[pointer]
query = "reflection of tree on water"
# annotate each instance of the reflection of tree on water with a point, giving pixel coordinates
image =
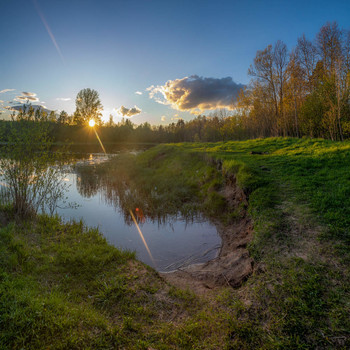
(118, 190)
(87, 182)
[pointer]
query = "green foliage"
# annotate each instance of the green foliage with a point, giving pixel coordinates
(30, 170)
(88, 106)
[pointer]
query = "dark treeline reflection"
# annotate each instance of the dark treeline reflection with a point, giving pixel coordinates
(111, 180)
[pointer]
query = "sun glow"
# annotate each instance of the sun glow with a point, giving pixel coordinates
(91, 123)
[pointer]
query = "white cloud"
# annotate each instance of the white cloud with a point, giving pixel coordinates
(6, 90)
(129, 112)
(138, 93)
(196, 94)
(63, 98)
(30, 94)
(163, 118)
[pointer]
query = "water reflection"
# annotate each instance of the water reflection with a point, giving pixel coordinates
(116, 189)
(132, 218)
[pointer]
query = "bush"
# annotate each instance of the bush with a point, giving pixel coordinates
(31, 171)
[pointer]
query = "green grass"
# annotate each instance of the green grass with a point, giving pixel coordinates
(299, 199)
(298, 190)
(63, 286)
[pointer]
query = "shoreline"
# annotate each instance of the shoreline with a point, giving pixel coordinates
(233, 264)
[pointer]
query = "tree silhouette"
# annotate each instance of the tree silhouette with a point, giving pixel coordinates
(88, 106)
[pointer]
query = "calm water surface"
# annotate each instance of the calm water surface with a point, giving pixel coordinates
(172, 244)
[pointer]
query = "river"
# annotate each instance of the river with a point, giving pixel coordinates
(165, 244)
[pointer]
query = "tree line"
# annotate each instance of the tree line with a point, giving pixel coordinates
(300, 92)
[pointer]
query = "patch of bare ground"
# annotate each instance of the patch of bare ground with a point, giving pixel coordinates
(304, 237)
(233, 265)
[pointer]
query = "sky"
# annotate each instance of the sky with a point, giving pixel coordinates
(150, 61)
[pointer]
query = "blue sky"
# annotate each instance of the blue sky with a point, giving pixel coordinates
(122, 47)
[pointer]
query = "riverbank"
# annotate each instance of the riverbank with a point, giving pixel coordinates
(63, 286)
(297, 295)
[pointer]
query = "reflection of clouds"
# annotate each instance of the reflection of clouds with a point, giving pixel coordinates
(129, 112)
(196, 93)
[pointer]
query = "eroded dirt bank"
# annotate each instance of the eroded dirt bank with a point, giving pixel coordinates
(233, 264)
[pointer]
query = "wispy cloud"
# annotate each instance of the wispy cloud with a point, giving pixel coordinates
(129, 112)
(24, 99)
(41, 15)
(196, 94)
(10, 108)
(63, 98)
(26, 96)
(138, 93)
(6, 90)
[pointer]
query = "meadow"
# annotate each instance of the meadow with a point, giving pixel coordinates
(63, 287)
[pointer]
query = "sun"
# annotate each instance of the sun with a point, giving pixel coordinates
(92, 123)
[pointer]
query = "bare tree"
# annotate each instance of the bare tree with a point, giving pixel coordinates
(281, 62)
(329, 45)
(306, 56)
(263, 69)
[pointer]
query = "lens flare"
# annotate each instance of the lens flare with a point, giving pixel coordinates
(142, 237)
(99, 140)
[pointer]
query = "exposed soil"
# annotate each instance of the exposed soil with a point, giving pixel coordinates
(233, 264)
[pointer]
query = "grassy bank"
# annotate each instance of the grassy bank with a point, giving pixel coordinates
(63, 286)
(299, 200)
